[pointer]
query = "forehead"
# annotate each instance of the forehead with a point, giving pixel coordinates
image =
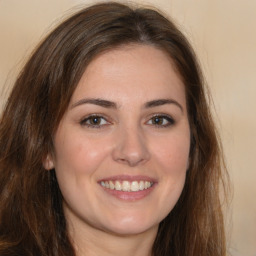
(131, 71)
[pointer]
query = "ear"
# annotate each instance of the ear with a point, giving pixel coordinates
(48, 162)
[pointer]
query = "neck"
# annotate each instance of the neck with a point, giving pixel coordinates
(89, 241)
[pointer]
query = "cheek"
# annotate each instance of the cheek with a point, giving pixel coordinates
(79, 154)
(173, 155)
(77, 162)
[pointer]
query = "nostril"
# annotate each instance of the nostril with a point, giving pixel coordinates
(131, 160)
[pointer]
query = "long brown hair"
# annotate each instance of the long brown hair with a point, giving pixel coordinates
(31, 218)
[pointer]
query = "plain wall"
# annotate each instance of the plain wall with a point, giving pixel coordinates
(224, 36)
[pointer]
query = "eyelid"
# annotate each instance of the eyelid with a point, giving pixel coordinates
(171, 121)
(90, 116)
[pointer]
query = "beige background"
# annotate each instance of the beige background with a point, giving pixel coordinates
(224, 35)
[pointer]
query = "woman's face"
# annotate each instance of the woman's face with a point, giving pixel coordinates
(122, 147)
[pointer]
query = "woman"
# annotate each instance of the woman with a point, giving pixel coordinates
(107, 145)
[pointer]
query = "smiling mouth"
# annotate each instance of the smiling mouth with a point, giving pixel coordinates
(127, 186)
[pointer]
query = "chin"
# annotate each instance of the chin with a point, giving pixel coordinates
(130, 225)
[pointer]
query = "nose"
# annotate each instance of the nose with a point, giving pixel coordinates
(131, 148)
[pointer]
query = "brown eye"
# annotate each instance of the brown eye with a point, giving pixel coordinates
(161, 121)
(158, 120)
(94, 121)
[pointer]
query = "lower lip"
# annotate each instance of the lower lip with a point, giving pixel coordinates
(130, 196)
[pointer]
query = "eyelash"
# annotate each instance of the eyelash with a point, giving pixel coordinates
(84, 121)
(162, 118)
(165, 118)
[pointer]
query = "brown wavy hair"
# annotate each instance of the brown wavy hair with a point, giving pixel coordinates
(31, 215)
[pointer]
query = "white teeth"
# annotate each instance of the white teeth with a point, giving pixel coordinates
(135, 186)
(118, 186)
(147, 184)
(126, 186)
(111, 185)
(141, 185)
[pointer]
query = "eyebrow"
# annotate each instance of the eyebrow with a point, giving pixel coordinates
(111, 104)
(98, 102)
(160, 102)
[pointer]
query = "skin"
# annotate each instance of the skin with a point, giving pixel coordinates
(127, 140)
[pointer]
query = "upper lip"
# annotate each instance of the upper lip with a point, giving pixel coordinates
(129, 178)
